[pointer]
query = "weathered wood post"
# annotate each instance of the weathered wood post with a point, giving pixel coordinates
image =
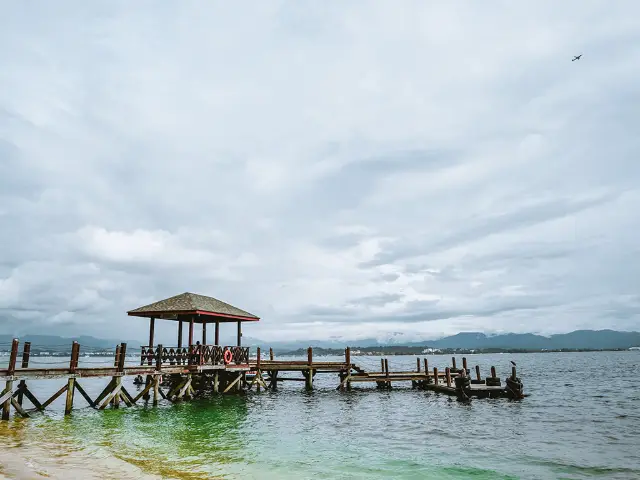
(271, 354)
(427, 380)
(493, 372)
(120, 372)
(157, 377)
(26, 352)
(435, 375)
(478, 378)
(382, 365)
(414, 383)
(71, 382)
(386, 372)
(204, 333)
(453, 364)
(447, 372)
(513, 373)
(179, 333)
(347, 359)
(8, 389)
(258, 372)
(308, 374)
(464, 365)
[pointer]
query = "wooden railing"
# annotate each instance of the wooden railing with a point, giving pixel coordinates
(194, 355)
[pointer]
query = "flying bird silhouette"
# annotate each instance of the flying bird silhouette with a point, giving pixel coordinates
(513, 363)
(577, 57)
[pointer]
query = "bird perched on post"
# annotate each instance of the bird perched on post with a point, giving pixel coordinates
(513, 363)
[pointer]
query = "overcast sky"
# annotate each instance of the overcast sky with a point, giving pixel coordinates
(337, 168)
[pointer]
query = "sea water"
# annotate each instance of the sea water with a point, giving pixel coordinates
(580, 420)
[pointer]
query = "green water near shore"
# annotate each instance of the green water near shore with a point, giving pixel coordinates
(569, 427)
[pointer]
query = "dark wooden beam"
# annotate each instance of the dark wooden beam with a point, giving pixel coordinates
(179, 333)
(152, 324)
(239, 334)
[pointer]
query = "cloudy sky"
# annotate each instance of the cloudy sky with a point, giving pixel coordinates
(338, 168)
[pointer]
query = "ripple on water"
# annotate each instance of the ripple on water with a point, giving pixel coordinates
(565, 429)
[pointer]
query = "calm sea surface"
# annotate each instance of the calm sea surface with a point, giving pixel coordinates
(581, 420)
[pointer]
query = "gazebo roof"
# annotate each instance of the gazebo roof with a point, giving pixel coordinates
(202, 309)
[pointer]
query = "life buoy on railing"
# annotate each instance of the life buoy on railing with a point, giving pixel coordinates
(228, 356)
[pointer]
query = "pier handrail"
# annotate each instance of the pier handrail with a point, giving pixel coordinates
(193, 355)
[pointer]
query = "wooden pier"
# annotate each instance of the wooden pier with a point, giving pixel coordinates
(177, 373)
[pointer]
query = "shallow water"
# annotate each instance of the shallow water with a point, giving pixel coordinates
(581, 420)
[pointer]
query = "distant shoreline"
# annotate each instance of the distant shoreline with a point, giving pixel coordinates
(379, 352)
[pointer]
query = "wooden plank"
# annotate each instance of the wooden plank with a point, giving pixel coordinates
(230, 386)
(84, 394)
(19, 408)
(54, 397)
(143, 392)
(6, 396)
(106, 401)
(105, 392)
(36, 403)
(127, 397)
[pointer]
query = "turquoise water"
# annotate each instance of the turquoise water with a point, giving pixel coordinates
(581, 420)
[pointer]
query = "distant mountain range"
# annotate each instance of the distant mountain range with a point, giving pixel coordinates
(579, 339)
(56, 343)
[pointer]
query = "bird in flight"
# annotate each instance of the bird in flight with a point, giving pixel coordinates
(577, 57)
(513, 363)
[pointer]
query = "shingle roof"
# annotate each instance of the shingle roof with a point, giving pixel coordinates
(191, 303)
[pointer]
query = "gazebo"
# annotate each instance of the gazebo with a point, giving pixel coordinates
(193, 308)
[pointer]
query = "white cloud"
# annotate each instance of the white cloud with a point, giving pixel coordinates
(333, 168)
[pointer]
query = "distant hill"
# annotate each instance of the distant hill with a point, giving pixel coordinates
(579, 339)
(56, 343)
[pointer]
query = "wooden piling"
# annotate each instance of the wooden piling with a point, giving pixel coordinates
(453, 363)
(435, 375)
(308, 374)
(513, 373)
(418, 365)
(157, 377)
(382, 365)
(71, 386)
(478, 373)
(447, 372)
(493, 372)
(271, 354)
(464, 364)
(347, 360)
(8, 389)
(26, 352)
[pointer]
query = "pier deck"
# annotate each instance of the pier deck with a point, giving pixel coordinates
(178, 373)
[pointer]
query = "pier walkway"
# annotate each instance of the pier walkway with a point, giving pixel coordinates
(177, 373)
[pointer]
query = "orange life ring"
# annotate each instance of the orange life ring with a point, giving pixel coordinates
(228, 356)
